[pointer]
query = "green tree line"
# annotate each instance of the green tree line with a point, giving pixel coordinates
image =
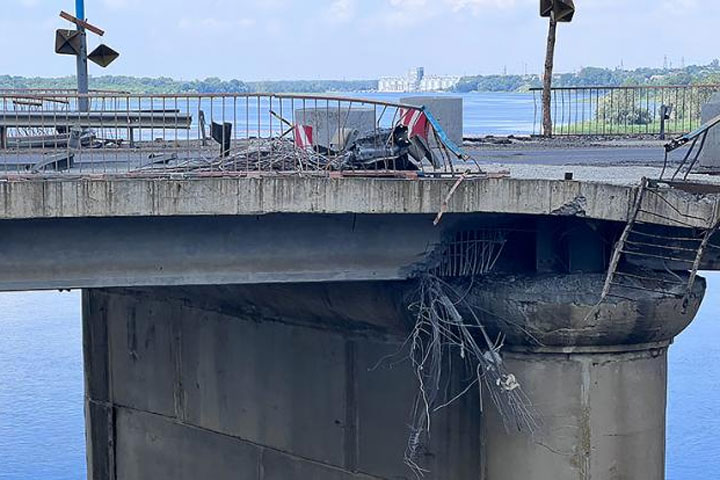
(147, 85)
(589, 76)
(595, 76)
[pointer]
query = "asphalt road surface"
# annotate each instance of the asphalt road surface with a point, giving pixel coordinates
(597, 156)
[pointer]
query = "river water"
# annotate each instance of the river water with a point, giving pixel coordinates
(41, 382)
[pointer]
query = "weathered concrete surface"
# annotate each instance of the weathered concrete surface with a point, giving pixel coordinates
(326, 305)
(448, 111)
(277, 381)
(596, 374)
(106, 252)
(156, 250)
(205, 196)
(603, 417)
(182, 391)
(562, 310)
(328, 122)
(272, 248)
(263, 383)
(710, 156)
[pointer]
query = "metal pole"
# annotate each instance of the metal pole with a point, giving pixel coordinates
(82, 61)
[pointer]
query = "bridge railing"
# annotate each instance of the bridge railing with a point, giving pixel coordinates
(214, 134)
(55, 91)
(630, 110)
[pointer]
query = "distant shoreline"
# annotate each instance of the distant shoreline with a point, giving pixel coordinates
(589, 76)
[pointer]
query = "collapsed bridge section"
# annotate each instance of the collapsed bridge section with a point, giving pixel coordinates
(294, 327)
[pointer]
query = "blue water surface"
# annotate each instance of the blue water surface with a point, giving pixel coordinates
(486, 113)
(693, 447)
(41, 387)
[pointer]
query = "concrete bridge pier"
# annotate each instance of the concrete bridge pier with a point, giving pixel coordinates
(598, 382)
(259, 382)
(603, 413)
(278, 381)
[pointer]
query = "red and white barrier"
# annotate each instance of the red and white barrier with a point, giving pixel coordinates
(303, 136)
(416, 122)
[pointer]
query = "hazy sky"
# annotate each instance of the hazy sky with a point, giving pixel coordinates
(313, 39)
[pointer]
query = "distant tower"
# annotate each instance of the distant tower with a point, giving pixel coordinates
(504, 70)
(415, 76)
(665, 63)
(682, 62)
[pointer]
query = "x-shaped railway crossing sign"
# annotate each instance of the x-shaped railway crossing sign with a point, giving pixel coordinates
(69, 42)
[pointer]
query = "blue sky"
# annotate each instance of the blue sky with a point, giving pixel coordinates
(313, 39)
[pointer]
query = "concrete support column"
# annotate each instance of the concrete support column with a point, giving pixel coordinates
(277, 382)
(195, 383)
(602, 413)
(595, 374)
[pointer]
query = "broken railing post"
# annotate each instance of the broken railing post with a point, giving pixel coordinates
(222, 134)
(665, 111)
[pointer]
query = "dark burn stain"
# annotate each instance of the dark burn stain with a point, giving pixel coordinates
(132, 335)
(575, 208)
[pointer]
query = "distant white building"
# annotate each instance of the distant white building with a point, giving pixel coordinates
(415, 76)
(416, 81)
(436, 83)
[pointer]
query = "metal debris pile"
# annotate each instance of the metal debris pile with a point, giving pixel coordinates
(384, 149)
(265, 154)
(405, 146)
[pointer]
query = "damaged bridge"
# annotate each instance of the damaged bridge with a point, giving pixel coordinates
(317, 327)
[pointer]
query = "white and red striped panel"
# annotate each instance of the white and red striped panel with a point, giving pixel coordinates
(304, 137)
(416, 122)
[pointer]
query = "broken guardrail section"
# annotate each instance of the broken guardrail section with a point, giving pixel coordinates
(220, 134)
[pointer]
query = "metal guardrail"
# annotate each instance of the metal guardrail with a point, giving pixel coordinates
(54, 91)
(631, 110)
(216, 134)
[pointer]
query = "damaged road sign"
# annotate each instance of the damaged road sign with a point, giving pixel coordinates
(564, 10)
(103, 55)
(68, 42)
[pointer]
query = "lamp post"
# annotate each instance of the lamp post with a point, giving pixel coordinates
(557, 11)
(74, 42)
(82, 60)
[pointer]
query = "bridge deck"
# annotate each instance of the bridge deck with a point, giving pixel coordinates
(67, 196)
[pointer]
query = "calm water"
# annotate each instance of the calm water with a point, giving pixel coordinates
(488, 113)
(41, 384)
(41, 387)
(484, 113)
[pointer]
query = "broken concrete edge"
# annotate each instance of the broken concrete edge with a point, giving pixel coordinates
(141, 196)
(557, 311)
(586, 350)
